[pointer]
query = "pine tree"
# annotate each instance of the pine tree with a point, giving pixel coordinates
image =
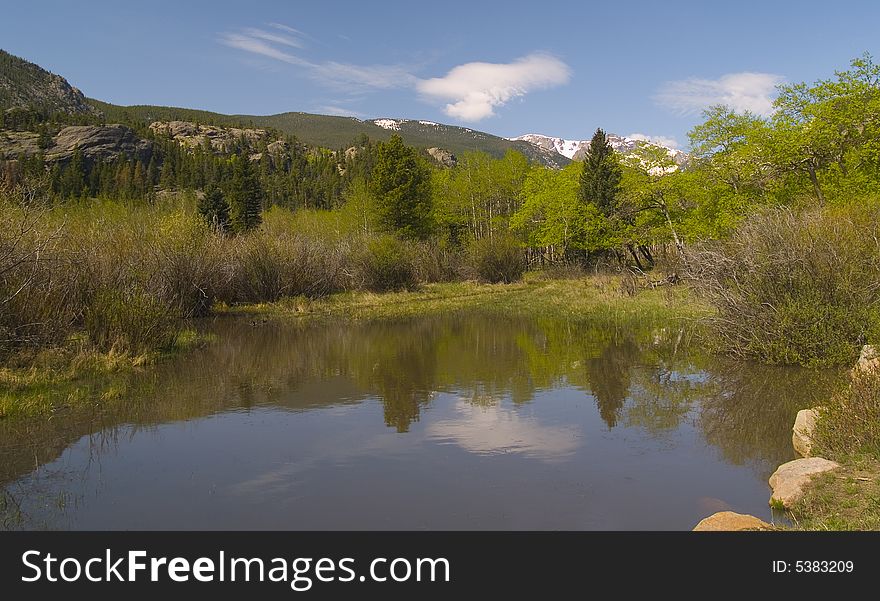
(245, 195)
(401, 183)
(214, 209)
(600, 178)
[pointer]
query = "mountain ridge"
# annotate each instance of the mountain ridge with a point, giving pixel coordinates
(576, 149)
(25, 84)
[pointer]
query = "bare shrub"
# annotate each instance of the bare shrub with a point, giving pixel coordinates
(849, 423)
(496, 259)
(795, 287)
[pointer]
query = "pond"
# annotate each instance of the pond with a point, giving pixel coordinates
(464, 421)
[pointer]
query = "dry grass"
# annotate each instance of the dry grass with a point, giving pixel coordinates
(587, 298)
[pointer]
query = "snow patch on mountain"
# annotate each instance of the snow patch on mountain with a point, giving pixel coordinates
(576, 149)
(393, 124)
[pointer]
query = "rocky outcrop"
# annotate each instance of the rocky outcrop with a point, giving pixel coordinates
(443, 157)
(729, 521)
(98, 142)
(802, 432)
(220, 140)
(789, 479)
(869, 360)
(14, 144)
(24, 84)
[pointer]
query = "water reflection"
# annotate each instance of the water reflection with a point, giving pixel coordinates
(306, 417)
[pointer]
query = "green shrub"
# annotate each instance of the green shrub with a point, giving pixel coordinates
(388, 263)
(795, 287)
(849, 424)
(496, 259)
(128, 321)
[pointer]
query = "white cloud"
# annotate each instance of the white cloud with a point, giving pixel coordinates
(370, 76)
(498, 430)
(747, 91)
(343, 75)
(475, 90)
(330, 109)
(257, 46)
(268, 36)
(667, 141)
(288, 29)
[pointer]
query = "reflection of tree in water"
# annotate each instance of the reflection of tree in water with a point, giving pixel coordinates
(748, 409)
(404, 373)
(609, 377)
(667, 384)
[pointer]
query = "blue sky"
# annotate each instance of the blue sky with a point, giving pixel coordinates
(508, 68)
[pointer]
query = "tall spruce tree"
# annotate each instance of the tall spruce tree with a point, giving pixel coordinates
(600, 178)
(214, 209)
(402, 186)
(245, 195)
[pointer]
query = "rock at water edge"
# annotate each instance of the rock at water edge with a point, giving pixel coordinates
(789, 479)
(802, 432)
(729, 521)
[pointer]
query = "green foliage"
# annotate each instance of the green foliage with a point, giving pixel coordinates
(849, 423)
(477, 197)
(553, 216)
(214, 209)
(388, 264)
(795, 286)
(128, 320)
(600, 178)
(499, 259)
(401, 184)
(245, 196)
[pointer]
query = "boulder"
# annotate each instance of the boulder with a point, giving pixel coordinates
(789, 479)
(729, 521)
(278, 147)
(98, 142)
(869, 360)
(802, 432)
(442, 156)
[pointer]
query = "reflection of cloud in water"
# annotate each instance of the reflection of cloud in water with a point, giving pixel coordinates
(495, 430)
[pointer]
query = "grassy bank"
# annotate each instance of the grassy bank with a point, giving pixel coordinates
(599, 297)
(75, 376)
(848, 431)
(847, 498)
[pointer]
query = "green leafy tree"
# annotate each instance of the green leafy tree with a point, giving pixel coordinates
(730, 146)
(552, 215)
(401, 183)
(214, 209)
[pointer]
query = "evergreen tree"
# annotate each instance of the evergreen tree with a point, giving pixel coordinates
(245, 195)
(73, 176)
(600, 178)
(402, 185)
(214, 209)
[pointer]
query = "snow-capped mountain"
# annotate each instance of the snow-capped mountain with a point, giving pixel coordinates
(575, 149)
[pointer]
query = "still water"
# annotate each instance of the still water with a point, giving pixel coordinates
(456, 422)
